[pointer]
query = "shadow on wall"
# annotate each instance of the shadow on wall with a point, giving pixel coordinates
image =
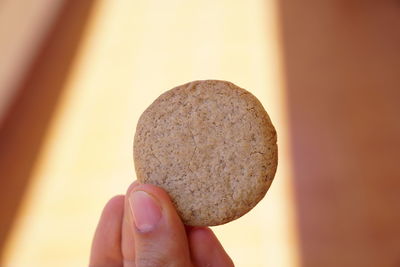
(343, 85)
(25, 125)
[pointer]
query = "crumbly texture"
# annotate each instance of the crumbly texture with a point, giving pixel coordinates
(211, 146)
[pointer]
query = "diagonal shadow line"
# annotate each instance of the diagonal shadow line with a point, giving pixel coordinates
(23, 130)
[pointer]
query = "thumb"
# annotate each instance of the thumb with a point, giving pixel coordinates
(159, 234)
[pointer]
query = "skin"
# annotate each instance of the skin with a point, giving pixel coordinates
(119, 242)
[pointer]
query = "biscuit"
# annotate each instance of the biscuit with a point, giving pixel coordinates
(211, 146)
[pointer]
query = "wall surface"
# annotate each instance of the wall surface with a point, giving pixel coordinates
(127, 54)
(342, 68)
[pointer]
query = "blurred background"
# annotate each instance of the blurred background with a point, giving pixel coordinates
(76, 75)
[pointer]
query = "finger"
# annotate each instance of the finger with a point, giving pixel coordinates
(159, 234)
(206, 250)
(106, 246)
(128, 241)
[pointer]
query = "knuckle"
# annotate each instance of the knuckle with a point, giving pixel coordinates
(161, 262)
(151, 262)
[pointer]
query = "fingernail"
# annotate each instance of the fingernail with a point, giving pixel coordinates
(145, 210)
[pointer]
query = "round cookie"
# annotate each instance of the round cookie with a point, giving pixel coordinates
(211, 146)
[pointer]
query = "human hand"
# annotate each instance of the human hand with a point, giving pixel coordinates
(142, 229)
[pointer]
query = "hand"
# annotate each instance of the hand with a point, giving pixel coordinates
(142, 229)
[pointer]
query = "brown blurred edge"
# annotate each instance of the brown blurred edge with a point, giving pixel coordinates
(26, 122)
(342, 71)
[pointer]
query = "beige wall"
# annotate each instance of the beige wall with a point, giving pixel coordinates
(326, 71)
(130, 53)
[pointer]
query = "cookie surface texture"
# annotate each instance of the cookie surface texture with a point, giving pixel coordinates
(211, 146)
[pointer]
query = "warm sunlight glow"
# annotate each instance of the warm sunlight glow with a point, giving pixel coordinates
(133, 51)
